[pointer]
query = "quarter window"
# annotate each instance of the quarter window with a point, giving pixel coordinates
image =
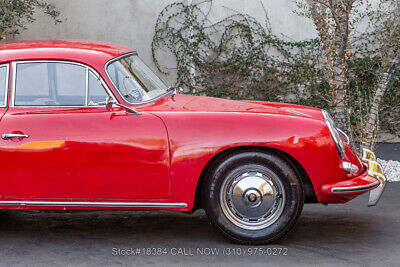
(3, 84)
(97, 93)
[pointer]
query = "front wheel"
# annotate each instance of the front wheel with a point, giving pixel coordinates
(253, 197)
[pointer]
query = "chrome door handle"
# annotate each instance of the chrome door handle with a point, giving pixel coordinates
(11, 135)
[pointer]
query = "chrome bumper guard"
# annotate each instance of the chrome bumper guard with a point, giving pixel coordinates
(353, 189)
(375, 170)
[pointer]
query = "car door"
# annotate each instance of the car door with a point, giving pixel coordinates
(58, 142)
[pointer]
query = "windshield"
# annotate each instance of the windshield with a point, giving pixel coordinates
(135, 81)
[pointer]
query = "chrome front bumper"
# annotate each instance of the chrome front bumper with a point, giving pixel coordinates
(374, 170)
(372, 180)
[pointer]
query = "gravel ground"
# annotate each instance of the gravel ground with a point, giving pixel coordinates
(391, 169)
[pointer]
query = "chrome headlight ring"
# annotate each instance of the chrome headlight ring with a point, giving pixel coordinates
(344, 135)
(335, 133)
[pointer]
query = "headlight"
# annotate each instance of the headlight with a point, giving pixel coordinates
(336, 136)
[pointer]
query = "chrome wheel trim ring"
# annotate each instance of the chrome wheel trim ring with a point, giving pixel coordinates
(252, 199)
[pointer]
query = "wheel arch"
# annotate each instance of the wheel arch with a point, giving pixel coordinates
(309, 192)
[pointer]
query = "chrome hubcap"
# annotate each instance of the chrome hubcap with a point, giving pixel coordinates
(252, 199)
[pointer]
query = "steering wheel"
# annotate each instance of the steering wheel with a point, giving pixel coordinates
(135, 95)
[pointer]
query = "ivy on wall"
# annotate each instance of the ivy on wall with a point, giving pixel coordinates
(16, 14)
(239, 57)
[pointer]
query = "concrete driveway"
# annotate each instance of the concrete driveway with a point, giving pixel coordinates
(336, 235)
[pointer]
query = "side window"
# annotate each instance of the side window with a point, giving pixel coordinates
(50, 84)
(70, 84)
(3, 84)
(32, 83)
(97, 93)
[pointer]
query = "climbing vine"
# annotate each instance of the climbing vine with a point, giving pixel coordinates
(239, 57)
(16, 14)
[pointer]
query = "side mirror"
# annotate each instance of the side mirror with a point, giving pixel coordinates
(110, 102)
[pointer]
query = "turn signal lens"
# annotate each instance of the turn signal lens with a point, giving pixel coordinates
(349, 168)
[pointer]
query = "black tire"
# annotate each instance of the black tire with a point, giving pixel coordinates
(232, 164)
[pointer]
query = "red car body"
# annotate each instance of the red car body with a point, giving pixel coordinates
(94, 158)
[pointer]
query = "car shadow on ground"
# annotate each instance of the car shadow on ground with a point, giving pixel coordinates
(151, 227)
(332, 225)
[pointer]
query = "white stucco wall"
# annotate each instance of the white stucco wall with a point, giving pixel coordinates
(131, 22)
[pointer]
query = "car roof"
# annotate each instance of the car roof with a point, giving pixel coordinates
(88, 52)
